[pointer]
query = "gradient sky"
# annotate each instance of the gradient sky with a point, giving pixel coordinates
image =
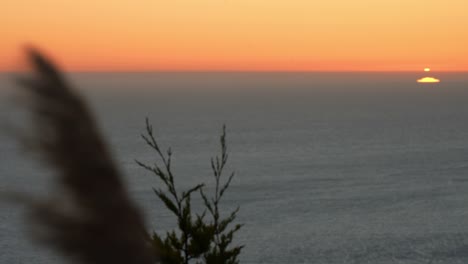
(306, 35)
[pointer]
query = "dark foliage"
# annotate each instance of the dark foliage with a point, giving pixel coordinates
(200, 238)
(92, 220)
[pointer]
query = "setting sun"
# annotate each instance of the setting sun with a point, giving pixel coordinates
(428, 80)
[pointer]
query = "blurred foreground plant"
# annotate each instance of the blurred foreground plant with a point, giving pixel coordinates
(90, 218)
(199, 238)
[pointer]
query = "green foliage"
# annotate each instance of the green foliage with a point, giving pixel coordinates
(199, 238)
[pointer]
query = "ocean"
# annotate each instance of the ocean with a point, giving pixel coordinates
(330, 167)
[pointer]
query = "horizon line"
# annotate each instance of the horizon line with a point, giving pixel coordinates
(242, 71)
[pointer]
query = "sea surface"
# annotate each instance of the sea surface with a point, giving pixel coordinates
(330, 167)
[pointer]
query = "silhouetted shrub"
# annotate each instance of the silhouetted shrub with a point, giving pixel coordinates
(199, 238)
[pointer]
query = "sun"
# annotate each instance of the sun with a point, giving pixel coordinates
(428, 80)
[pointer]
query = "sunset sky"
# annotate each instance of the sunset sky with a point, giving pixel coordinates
(240, 35)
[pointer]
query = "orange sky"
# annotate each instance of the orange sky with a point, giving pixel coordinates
(331, 35)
